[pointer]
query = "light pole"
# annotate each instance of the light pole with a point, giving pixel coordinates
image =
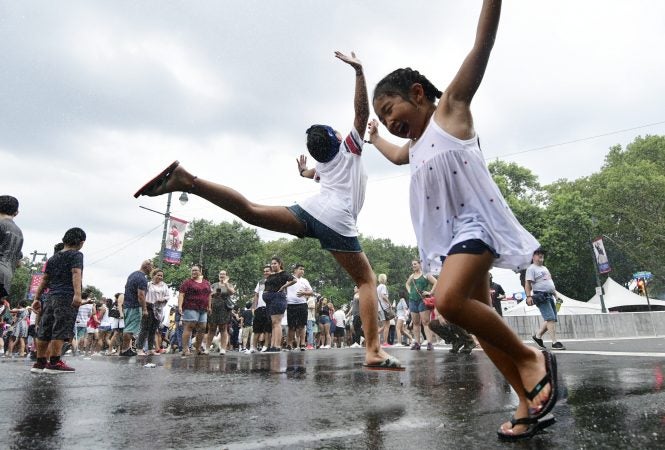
(183, 199)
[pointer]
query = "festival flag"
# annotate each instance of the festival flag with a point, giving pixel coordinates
(174, 239)
(601, 257)
(35, 281)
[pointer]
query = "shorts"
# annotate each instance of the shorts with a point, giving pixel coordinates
(195, 315)
(470, 247)
(117, 324)
(133, 318)
(417, 306)
(339, 332)
(80, 331)
(324, 320)
(275, 303)
(545, 303)
(91, 330)
(296, 315)
(105, 328)
(328, 238)
(262, 322)
(58, 319)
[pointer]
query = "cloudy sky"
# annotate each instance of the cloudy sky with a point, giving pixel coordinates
(97, 97)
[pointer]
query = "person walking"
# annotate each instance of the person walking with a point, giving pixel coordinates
(275, 297)
(134, 307)
(156, 294)
(11, 243)
(540, 291)
(219, 312)
(419, 285)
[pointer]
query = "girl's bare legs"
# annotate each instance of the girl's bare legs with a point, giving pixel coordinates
(358, 267)
(276, 340)
(415, 322)
(462, 296)
(424, 319)
(386, 331)
(325, 335)
(188, 327)
(275, 218)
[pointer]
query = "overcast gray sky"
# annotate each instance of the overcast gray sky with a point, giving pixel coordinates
(97, 97)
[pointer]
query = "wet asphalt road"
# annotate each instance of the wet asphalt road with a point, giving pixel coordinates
(324, 399)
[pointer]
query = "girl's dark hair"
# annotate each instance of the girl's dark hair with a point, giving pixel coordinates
(73, 237)
(399, 83)
(322, 143)
(279, 261)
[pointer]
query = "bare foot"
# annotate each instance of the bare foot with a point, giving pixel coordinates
(532, 373)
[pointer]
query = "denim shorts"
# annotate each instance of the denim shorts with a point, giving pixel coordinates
(417, 306)
(195, 315)
(545, 303)
(330, 239)
(324, 320)
(275, 303)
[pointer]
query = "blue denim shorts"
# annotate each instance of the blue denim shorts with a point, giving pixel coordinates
(545, 303)
(194, 315)
(330, 239)
(417, 306)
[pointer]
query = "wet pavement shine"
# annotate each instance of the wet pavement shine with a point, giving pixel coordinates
(612, 396)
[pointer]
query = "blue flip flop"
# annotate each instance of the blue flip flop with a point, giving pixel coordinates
(389, 363)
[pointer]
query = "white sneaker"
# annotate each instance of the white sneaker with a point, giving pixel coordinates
(222, 351)
(264, 348)
(355, 345)
(362, 339)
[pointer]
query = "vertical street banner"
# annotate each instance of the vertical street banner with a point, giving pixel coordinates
(601, 257)
(174, 238)
(35, 281)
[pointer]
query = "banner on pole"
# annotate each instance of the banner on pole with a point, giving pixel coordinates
(174, 240)
(601, 257)
(35, 281)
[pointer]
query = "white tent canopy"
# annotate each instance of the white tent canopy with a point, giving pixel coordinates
(568, 307)
(617, 296)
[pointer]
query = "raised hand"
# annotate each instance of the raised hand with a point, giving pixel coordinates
(373, 129)
(352, 60)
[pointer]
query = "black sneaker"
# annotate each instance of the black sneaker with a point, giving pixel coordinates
(128, 352)
(538, 341)
(558, 346)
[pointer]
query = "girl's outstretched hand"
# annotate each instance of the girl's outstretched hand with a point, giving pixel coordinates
(302, 162)
(373, 129)
(352, 61)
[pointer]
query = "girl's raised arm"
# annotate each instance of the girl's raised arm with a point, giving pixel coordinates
(463, 87)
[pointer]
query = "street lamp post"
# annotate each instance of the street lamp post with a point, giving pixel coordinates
(183, 199)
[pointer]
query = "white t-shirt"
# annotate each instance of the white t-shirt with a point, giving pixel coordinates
(83, 314)
(339, 317)
(343, 181)
(381, 292)
(260, 287)
(292, 291)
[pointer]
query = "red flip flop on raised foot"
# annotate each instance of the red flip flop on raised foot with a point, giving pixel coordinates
(387, 364)
(160, 179)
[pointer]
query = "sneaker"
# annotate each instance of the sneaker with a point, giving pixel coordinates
(128, 352)
(558, 346)
(415, 346)
(264, 349)
(222, 351)
(303, 348)
(430, 347)
(141, 353)
(38, 367)
(386, 345)
(468, 347)
(288, 348)
(538, 341)
(310, 347)
(59, 367)
(355, 345)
